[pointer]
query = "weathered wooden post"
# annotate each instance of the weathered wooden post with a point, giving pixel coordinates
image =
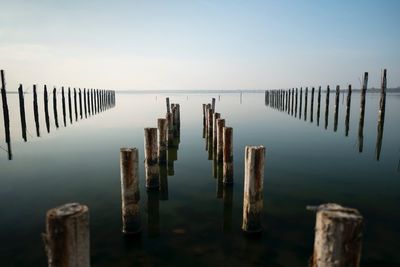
(301, 101)
(63, 106)
(336, 116)
(162, 140)
(319, 105)
(220, 141)
(297, 97)
(328, 90)
(130, 193)
(22, 111)
(36, 111)
(338, 236)
(151, 162)
(55, 106)
(170, 129)
(84, 101)
(362, 114)
(213, 104)
(168, 107)
(70, 105)
(291, 112)
(210, 129)
(67, 236)
(216, 116)
(75, 105)
(80, 103)
(46, 109)
(288, 101)
(381, 117)
(227, 134)
(305, 104)
(88, 101)
(6, 114)
(312, 104)
(253, 188)
(348, 104)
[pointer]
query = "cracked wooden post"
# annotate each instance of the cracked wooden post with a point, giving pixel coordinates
(129, 166)
(253, 188)
(227, 134)
(168, 106)
(162, 140)
(216, 116)
(67, 236)
(338, 234)
(220, 141)
(150, 154)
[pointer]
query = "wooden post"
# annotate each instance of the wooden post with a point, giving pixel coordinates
(215, 117)
(292, 101)
(67, 236)
(210, 129)
(91, 101)
(348, 104)
(220, 141)
(227, 134)
(338, 234)
(305, 104)
(150, 153)
(297, 97)
(319, 105)
(213, 104)
(6, 115)
(55, 106)
(162, 140)
(204, 120)
(70, 105)
(336, 116)
(75, 105)
(84, 101)
(328, 90)
(362, 114)
(253, 188)
(46, 108)
(381, 117)
(312, 104)
(130, 193)
(80, 103)
(36, 111)
(63, 106)
(301, 101)
(88, 101)
(22, 111)
(170, 129)
(168, 106)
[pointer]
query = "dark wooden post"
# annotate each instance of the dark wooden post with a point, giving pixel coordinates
(216, 116)
(170, 127)
(297, 97)
(312, 104)
(301, 101)
(213, 104)
(130, 193)
(46, 109)
(381, 116)
(220, 141)
(327, 107)
(305, 104)
(253, 188)
(338, 234)
(162, 140)
(348, 104)
(227, 133)
(362, 114)
(36, 111)
(67, 236)
(63, 106)
(292, 101)
(319, 105)
(84, 101)
(55, 106)
(6, 114)
(70, 105)
(168, 107)
(22, 111)
(80, 103)
(151, 161)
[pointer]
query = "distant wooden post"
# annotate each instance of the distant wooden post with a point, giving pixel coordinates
(46, 108)
(312, 104)
(227, 134)
(328, 90)
(348, 104)
(336, 116)
(150, 153)
(84, 101)
(162, 140)
(301, 101)
(338, 234)
(70, 104)
(75, 105)
(215, 117)
(170, 129)
(88, 101)
(168, 106)
(291, 112)
(130, 193)
(213, 104)
(6, 113)
(381, 117)
(210, 127)
(67, 236)
(220, 141)
(55, 106)
(305, 104)
(297, 97)
(253, 188)
(63, 106)
(22, 111)
(362, 114)
(319, 105)
(80, 103)
(36, 111)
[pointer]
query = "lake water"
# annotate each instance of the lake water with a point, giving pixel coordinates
(196, 221)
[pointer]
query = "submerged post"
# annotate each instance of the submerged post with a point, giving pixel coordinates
(150, 154)
(67, 236)
(130, 193)
(253, 188)
(338, 234)
(162, 140)
(227, 134)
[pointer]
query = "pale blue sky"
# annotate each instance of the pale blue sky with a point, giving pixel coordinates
(199, 44)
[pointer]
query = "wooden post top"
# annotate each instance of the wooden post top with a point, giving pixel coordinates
(67, 210)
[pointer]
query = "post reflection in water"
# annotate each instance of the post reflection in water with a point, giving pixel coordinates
(163, 182)
(327, 107)
(46, 109)
(227, 196)
(55, 106)
(348, 104)
(22, 111)
(153, 213)
(35, 111)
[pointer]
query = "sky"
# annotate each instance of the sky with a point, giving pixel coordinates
(194, 45)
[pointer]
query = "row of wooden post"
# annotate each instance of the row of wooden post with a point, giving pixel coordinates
(287, 101)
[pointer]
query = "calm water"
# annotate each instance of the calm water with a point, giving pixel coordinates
(197, 222)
